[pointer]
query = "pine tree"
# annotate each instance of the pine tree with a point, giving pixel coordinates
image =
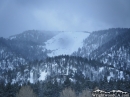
(67, 82)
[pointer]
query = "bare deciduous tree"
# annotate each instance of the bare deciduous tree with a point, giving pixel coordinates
(26, 91)
(68, 92)
(85, 93)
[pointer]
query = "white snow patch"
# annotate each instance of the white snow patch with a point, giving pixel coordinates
(71, 79)
(66, 43)
(13, 37)
(31, 77)
(43, 75)
(67, 71)
(101, 69)
(111, 75)
(2, 51)
(13, 81)
(121, 75)
(109, 55)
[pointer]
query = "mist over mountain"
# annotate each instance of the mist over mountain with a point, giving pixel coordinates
(67, 57)
(108, 46)
(64, 48)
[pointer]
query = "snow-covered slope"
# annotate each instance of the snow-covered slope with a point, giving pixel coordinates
(66, 43)
(20, 55)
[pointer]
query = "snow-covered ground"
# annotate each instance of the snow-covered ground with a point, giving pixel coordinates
(43, 75)
(66, 43)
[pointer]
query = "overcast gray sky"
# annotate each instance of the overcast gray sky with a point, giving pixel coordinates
(17, 16)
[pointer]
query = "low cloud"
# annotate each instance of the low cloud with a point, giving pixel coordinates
(17, 16)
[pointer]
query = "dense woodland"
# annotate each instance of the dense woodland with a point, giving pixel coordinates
(53, 89)
(103, 62)
(54, 83)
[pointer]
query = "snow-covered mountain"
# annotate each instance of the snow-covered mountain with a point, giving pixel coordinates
(110, 46)
(31, 44)
(20, 56)
(54, 43)
(18, 50)
(98, 38)
(35, 36)
(65, 43)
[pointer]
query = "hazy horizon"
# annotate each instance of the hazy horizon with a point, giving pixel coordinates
(17, 16)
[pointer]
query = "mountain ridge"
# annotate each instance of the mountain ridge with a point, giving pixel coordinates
(17, 53)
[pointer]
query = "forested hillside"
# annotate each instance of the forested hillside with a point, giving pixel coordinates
(102, 60)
